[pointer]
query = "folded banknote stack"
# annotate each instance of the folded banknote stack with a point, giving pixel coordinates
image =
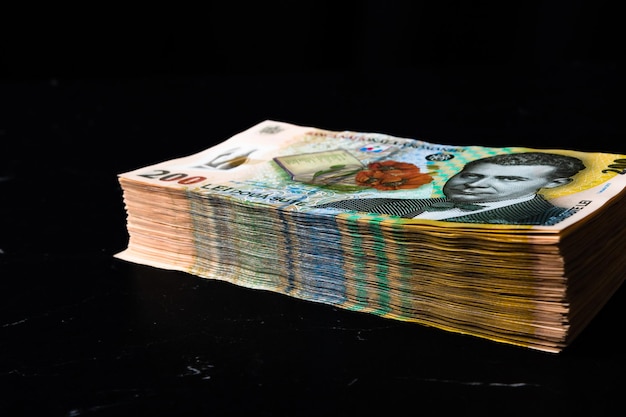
(516, 245)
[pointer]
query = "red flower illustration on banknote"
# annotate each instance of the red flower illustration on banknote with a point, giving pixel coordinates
(392, 175)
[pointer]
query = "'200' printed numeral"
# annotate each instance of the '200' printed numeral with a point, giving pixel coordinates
(618, 165)
(179, 177)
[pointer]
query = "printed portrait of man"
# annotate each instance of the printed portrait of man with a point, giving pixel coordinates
(499, 189)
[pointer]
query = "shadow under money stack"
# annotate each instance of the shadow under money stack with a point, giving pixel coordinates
(371, 222)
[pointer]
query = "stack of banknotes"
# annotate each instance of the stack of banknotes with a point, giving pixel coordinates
(516, 245)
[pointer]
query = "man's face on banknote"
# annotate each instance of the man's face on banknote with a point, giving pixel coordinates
(486, 182)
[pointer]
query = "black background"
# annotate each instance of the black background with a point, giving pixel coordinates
(87, 93)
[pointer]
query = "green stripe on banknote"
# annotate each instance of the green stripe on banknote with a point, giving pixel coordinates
(402, 307)
(359, 266)
(382, 265)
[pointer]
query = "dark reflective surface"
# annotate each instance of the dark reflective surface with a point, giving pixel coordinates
(82, 333)
(86, 334)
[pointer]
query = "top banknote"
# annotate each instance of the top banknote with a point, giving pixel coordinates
(409, 181)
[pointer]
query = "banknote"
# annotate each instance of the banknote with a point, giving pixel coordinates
(410, 181)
